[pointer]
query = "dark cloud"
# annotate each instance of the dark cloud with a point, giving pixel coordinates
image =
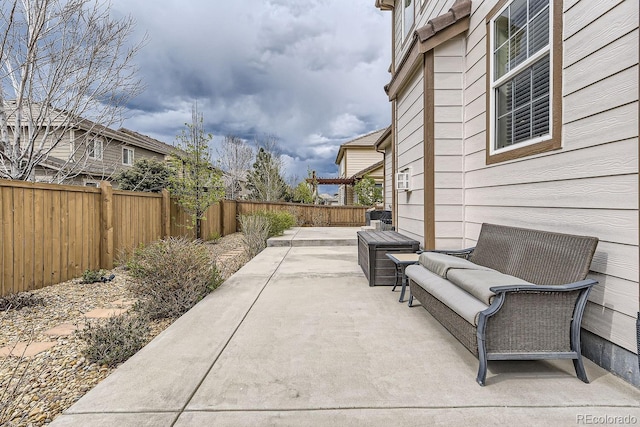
(309, 72)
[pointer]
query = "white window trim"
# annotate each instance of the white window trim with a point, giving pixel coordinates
(72, 143)
(91, 183)
(97, 154)
(405, 31)
(509, 75)
(131, 156)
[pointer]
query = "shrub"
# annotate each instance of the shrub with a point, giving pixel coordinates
(318, 218)
(19, 300)
(296, 212)
(279, 221)
(173, 275)
(92, 276)
(115, 340)
(367, 193)
(255, 232)
(214, 237)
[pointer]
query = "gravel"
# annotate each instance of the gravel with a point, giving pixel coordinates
(36, 389)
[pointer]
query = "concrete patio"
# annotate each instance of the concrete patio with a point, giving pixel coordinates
(297, 337)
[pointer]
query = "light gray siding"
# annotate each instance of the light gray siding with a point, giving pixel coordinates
(448, 116)
(410, 154)
(590, 186)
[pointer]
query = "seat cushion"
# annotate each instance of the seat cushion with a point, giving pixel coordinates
(440, 264)
(463, 303)
(478, 282)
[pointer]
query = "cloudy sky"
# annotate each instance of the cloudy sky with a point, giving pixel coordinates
(309, 72)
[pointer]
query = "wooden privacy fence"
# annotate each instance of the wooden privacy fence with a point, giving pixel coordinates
(311, 215)
(53, 233)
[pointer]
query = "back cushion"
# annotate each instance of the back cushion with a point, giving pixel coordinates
(539, 257)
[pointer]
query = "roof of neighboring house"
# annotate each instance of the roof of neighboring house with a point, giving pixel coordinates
(366, 140)
(122, 135)
(370, 169)
(144, 141)
(95, 170)
(384, 140)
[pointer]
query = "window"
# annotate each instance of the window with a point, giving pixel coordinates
(88, 183)
(522, 78)
(407, 17)
(94, 149)
(127, 156)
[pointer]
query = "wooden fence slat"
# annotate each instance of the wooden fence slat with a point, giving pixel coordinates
(106, 227)
(3, 245)
(7, 241)
(29, 239)
(38, 243)
(56, 236)
(18, 239)
(64, 236)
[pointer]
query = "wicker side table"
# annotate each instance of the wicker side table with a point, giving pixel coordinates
(402, 260)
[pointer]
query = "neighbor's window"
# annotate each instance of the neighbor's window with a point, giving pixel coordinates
(407, 17)
(521, 76)
(127, 156)
(94, 148)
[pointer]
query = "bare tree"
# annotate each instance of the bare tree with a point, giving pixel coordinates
(234, 159)
(64, 65)
(265, 181)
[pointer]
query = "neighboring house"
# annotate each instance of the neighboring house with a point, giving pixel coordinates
(73, 150)
(235, 185)
(523, 113)
(93, 153)
(355, 157)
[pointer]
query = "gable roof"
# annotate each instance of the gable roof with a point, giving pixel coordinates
(67, 121)
(363, 141)
(144, 141)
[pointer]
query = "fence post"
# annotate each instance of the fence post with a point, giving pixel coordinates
(106, 226)
(166, 213)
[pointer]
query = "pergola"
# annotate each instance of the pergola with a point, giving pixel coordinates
(315, 181)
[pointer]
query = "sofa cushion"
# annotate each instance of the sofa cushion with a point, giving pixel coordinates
(478, 282)
(464, 304)
(440, 264)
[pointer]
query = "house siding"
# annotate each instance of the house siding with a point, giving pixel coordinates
(448, 116)
(112, 155)
(360, 158)
(354, 160)
(410, 154)
(589, 186)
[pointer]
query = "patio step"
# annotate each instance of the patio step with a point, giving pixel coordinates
(275, 242)
(316, 236)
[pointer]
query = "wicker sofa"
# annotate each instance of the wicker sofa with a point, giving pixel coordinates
(518, 294)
